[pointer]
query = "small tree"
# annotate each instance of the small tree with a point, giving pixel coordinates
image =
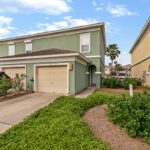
(113, 52)
(17, 83)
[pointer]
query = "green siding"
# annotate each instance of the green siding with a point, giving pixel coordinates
(3, 50)
(81, 81)
(20, 47)
(69, 42)
(30, 76)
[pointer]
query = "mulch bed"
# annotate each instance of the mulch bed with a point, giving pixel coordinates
(11, 96)
(116, 137)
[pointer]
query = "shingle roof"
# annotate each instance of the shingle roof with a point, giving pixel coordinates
(53, 51)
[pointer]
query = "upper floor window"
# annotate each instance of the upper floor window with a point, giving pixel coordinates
(28, 46)
(85, 43)
(11, 49)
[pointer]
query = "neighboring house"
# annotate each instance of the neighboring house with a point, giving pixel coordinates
(140, 55)
(107, 71)
(124, 72)
(63, 61)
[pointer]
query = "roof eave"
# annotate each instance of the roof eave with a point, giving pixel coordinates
(53, 32)
(47, 56)
(144, 29)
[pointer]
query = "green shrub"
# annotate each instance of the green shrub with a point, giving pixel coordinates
(127, 81)
(133, 113)
(59, 126)
(112, 82)
(5, 85)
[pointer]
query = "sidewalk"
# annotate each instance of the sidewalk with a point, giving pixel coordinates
(86, 92)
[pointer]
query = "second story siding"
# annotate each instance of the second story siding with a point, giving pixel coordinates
(69, 41)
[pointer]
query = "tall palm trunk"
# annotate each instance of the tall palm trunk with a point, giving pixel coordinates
(111, 67)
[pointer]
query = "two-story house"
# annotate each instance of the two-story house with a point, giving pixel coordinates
(140, 55)
(63, 61)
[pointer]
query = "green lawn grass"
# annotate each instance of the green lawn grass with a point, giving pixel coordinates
(59, 126)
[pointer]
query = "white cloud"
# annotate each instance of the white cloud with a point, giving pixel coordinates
(68, 21)
(5, 27)
(111, 29)
(119, 10)
(115, 10)
(54, 7)
(5, 20)
(94, 3)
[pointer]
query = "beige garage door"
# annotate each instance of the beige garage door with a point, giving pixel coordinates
(52, 79)
(11, 72)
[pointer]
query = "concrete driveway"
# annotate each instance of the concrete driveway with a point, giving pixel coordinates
(15, 110)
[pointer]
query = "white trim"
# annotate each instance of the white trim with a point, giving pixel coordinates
(89, 34)
(11, 43)
(46, 56)
(98, 72)
(87, 73)
(94, 56)
(11, 49)
(27, 41)
(17, 66)
(36, 61)
(54, 64)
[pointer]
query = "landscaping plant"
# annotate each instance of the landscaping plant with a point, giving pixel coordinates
(132, 113)
(59, 126)
(17, 83)
(5, 85)
(127, 81)
(112, 82)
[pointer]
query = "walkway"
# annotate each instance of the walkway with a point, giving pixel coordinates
(86, 92)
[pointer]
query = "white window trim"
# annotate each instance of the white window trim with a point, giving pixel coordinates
(10, 50)
(28, 42)
(89, 43)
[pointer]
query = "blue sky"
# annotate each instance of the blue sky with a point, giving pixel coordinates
(124, 19)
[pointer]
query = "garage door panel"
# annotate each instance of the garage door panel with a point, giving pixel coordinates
(52, 79)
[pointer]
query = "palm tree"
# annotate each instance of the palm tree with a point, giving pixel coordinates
(113, 52)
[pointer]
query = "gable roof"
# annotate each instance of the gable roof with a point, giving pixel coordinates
(24, 37)
(144, 29)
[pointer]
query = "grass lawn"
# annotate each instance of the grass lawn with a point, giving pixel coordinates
(58, 126)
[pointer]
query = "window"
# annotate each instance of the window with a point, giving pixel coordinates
(28, 46)
(11, 49)
(85, 43)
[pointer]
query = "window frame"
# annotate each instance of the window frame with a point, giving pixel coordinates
(11, 52)
(83, 34)
(28, 42)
